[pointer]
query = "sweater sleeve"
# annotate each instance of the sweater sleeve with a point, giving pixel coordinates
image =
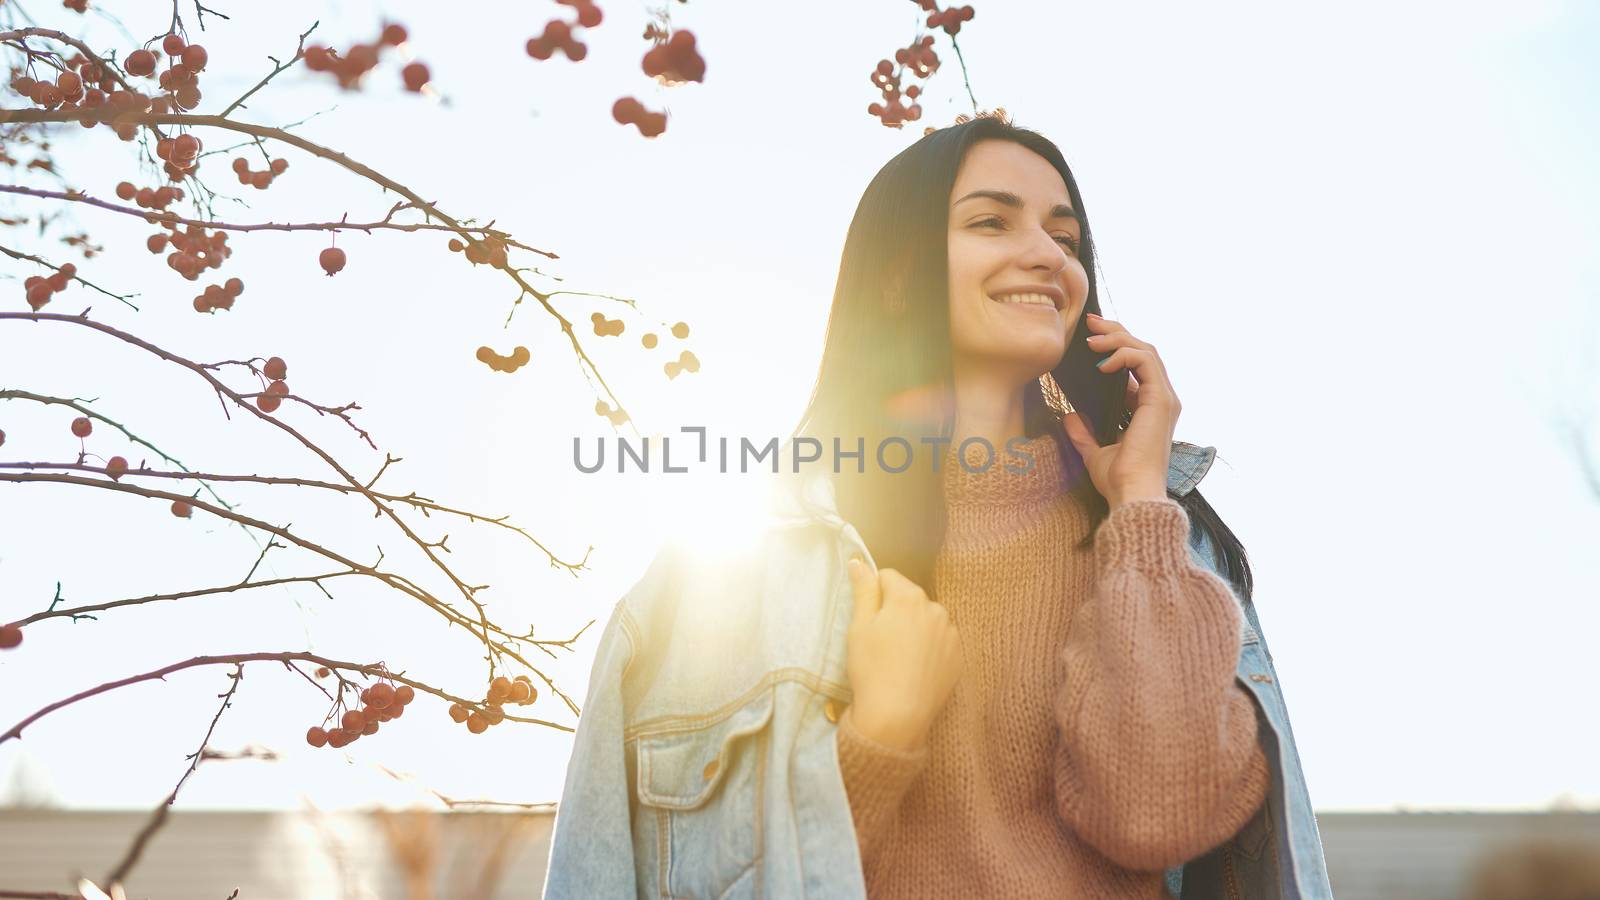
(1158, 760)
(876, 777)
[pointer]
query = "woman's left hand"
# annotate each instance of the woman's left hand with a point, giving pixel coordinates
(1134, 468)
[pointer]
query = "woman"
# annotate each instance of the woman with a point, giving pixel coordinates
(1049, 687)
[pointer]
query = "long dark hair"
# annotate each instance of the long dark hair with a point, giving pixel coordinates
(888, 337)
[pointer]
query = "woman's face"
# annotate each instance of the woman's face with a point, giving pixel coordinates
(1013, 232)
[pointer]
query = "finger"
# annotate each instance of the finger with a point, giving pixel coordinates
(1111, 340)
(894, 586)
(1078, 433)
(864, 584)
(1102, 325)
(1146, 369)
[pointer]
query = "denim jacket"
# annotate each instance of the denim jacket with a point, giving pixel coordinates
(705, 764)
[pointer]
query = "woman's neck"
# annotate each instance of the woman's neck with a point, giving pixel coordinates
(987, 407)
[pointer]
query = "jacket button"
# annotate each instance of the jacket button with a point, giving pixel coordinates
(709, 770)
(831, 710)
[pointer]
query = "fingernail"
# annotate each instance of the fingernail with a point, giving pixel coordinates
(1091, 315)
(854, 565)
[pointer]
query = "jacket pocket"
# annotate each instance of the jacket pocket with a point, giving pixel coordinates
(702, 784)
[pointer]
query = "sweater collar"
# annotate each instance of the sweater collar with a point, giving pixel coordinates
(1022, 473)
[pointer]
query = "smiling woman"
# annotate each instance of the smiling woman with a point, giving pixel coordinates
(954, 678)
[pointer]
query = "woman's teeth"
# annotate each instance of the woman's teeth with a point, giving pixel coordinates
(1029, 299)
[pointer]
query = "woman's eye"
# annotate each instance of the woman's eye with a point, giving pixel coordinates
(994, 222)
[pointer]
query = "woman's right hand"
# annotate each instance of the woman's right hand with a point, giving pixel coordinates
(903, 657)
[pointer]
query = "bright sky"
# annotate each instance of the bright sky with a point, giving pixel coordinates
(1317, 216)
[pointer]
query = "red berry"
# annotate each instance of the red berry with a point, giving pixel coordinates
(372, 726)
(331, 260)
(415, 76)
(260, 180)
(182, 508)
(382, 696)
(477, 724)
(2, 438)
(403, 694)
(241, 165)
(10, 636)
(116, 467)
(499, 689)
(268, 403)
(276, 369)
(186, 145)
(233, 287)
(81, 426)
(494, 715)
(316, 737)
(172, 44)
(458, 712)
(140, 63)
(394, 35)
(520, 692)
(126, 191)
(195, 56)
(338, 739)
(156, 243)
(323, 672)
(279, 166)
(353, 720)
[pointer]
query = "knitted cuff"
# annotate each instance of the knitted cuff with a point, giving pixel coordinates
(1146, 535)
(876, 775)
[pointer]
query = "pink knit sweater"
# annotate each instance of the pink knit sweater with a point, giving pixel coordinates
(1097, 735)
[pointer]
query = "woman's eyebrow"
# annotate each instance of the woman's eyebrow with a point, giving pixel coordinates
(1061, 210)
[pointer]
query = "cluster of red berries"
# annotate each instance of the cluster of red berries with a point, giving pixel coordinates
(360, 59)
(379, 703)
(606, 327)
(194, 250)
(259, 180)
(558, 36)
(491, 250)
(331, 260)
(150, 198)
(87, 84)
(949, 19)
(518, 358)
(41, 287)
(276, 370)
(922, 62)
(501, 691)
(218, 296)
(617, 416)
(10, 636)
(675, 60)
(181, 77)
(686, 362)
(629, 111)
